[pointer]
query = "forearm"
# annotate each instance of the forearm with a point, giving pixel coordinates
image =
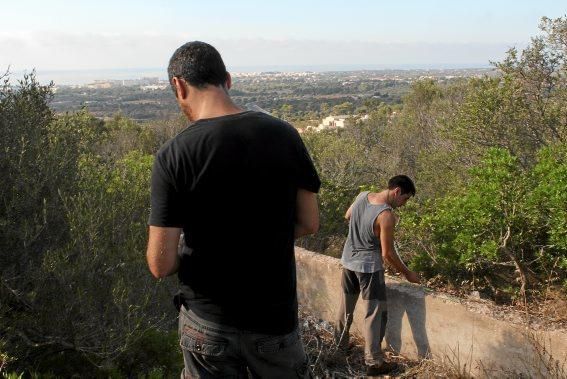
(394, 260)
(162, 264)
(162, 254)
(174, 266)
(307, 214)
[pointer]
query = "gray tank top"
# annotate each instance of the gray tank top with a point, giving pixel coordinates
(362, 251)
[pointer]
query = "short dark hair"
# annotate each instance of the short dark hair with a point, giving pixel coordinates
(199, 64)
(404, 182)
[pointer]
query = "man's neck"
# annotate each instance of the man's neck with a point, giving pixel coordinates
(379, 197)
(209, 103)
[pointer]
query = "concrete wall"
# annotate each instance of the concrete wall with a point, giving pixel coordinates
(422, 322)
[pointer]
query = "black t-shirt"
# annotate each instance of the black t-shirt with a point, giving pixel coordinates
(231, 182)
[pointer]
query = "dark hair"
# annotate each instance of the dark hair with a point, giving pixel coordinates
(199, 64)
(404, 182)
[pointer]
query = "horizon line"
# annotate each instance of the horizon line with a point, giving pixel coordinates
(64, 77)
(286, 68)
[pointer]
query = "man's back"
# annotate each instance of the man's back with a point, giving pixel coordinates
(233, 180)
(241, 186)
(362, 251)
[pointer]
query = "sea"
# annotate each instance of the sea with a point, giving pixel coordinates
(81, 77)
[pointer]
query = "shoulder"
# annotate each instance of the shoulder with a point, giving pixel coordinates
(268, 118)
(260, 123)
(362, 195)
(358, 200)
(282, 128)
(176, 149)
(184, 139)
(167, 151)
(386, 218)
(164, 151)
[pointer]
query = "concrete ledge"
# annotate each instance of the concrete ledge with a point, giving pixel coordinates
(421, 322)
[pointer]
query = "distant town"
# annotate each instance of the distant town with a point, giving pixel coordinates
(303, 94)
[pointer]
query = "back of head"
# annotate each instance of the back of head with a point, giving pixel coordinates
(403, 182)
(199, 64)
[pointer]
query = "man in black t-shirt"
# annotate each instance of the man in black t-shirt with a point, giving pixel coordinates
(241, 187)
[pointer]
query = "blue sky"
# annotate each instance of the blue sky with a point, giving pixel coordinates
(91, 35)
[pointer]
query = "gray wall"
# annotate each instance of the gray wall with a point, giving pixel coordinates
(421, 322)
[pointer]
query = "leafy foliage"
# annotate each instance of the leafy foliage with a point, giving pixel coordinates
(74, 285)
(547, 203)
(487, 155)
(505, 223)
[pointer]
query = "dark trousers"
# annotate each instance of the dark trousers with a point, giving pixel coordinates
(211, 350)
(373, 290)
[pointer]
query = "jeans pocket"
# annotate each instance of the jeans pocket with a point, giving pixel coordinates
(277, 343)
(201, 343)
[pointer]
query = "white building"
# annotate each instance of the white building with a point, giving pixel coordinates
(333, 122)
(153, 87)
(336, 122)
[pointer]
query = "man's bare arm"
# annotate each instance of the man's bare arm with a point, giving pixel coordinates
(162, 256)
(307, 213)
(384, 225)
(349, 212)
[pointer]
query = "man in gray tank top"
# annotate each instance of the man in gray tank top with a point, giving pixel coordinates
(370, 242)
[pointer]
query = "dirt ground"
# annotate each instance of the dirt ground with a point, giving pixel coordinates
(327, 361)
(548, 312)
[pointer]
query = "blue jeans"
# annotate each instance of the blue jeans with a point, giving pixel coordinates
(212, 350)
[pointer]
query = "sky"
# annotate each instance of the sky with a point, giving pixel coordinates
(88, 35)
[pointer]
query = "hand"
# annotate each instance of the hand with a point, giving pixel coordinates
(413, 277)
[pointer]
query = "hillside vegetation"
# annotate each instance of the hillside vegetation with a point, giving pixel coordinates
(489, 157)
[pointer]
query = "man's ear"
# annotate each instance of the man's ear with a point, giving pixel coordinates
(228, 82)
(181, 88)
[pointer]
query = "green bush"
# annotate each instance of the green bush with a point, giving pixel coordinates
(506, 227)
(155, 354)
(75, 291)
(547, 204)
(101, 274)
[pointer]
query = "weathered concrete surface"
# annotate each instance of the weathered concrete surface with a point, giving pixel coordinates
(421, 323)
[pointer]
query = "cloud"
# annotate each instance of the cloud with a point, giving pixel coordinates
(71, 51)
(311, 52)
(63, 51)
